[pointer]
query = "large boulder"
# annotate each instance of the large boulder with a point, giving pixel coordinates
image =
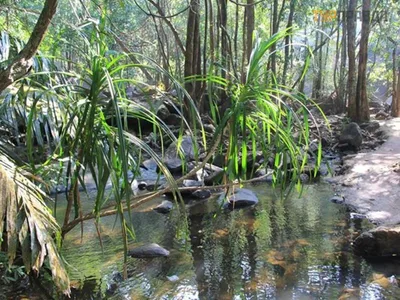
(351, 135)
(383, 241)
(240, 198)
(148, 251)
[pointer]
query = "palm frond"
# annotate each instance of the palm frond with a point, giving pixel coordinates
(27, 223)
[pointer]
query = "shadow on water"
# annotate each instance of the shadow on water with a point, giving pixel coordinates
(293, 248)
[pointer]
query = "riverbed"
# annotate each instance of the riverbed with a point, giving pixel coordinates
(295, 247)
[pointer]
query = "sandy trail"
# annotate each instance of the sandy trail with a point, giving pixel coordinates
(372, 182)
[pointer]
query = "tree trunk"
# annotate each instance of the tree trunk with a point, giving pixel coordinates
(341, 93)
(192, 53)
(223, 16)
(274, 30)
(287, 41)
(351, 50)
(396, 88)
(212, 39)
(317, 82)
(250, 24)
(361, 92)
(22, 63)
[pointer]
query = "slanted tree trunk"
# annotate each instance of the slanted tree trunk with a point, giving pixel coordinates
(22, 63)
(351, 51)
(362, 104)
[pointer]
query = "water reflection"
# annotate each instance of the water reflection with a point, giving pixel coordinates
(293, 248)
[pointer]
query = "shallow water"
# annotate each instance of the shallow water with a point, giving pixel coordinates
(293, 248)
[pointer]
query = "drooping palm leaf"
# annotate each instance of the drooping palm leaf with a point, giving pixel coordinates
(27, 223)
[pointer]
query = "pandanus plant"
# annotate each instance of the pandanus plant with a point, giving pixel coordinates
(85, 113)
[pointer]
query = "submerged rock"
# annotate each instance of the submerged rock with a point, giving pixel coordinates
(148, 251)
(337, 199)
(351, 135)
(164, 208)
(173, 278)
(382, 241)
(239, 199)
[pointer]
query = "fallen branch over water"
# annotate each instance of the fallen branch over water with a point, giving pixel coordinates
(143, 198)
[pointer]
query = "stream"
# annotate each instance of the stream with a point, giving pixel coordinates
(298, 247)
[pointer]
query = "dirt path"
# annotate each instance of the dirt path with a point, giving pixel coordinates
(372, 183)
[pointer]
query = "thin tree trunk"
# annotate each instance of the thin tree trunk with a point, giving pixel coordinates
(22, 63)
(361, 92)
(192, 53)
(212, 43)
(169, 24)
(396, 87)
(287, 41)
(341, 95)
(274, 30)
(351, 49)
(235, 38)
(224, 37)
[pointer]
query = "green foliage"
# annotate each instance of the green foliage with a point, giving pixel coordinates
(263, 115)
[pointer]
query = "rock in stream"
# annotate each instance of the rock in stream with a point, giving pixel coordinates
(239, 199)
(148, 251)
(383, 241)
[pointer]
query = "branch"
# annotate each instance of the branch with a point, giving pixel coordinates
(109, 210)
(22, 63)
(167, 21)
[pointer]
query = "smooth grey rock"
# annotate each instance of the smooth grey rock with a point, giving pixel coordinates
(164, 208)
(148, 251)
(351, 135)
(191, 183)
(150, 164)
(383, 241)
(186, 148)
(201, 194)
(239, 199)
(174, 165)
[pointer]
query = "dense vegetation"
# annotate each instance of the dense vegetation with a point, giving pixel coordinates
(253, 69)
